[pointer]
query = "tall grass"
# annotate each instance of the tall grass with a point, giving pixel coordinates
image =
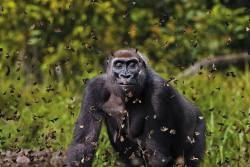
(224, 99)
(40, 116)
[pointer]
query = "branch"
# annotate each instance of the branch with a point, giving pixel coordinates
(215, 63)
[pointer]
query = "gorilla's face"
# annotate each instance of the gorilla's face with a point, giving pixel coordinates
(127, 76)
(126, 71)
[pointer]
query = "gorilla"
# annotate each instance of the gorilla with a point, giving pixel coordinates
(148, 122)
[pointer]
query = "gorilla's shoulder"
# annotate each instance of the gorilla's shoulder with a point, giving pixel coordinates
(158, 82)
(162, 88)
(96, 83)
(96, 88)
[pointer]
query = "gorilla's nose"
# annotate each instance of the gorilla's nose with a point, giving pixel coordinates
(125, 76)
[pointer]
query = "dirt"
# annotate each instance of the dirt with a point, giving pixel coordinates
(32, 158)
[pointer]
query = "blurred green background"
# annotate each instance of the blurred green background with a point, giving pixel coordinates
(50, 49)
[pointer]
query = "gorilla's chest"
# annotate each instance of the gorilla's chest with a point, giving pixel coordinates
(124, 120)
(114, 108)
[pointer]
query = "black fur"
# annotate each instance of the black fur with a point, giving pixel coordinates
(157, 127)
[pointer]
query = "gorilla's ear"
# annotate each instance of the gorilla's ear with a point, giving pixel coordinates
(142, 58)
(136, 50)
(143, 63)
(112, 53)
(107, 62)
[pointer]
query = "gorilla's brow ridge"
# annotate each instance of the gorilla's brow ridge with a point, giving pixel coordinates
(125, 53)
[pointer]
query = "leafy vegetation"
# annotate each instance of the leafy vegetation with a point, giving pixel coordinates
(50, 49)
(41, 118)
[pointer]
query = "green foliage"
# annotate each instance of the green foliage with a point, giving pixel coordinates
(37, 116)
(223, 99)
(68, 34)
(43, 118)
(49, 49)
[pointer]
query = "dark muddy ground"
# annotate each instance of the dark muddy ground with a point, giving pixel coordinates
(32, 158)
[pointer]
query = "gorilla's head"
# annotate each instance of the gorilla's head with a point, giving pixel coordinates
(127, 72)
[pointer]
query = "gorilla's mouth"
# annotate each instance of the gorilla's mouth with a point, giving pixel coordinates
(126, 83)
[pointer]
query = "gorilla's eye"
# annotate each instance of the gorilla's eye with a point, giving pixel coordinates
(118, 65)
(132, 65)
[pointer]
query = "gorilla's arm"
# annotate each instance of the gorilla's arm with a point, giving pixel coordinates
(87, 127)
(185, 118)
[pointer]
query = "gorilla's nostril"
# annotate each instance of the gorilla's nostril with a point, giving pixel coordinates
(126, 76)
